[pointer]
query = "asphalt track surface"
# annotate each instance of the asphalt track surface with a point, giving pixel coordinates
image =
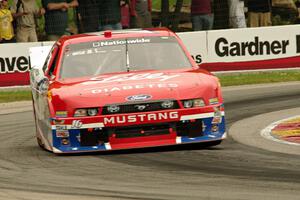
(230, 171)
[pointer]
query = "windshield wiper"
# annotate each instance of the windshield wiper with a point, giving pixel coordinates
(127, 57)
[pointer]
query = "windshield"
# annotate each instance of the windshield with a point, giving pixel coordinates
(108, 56)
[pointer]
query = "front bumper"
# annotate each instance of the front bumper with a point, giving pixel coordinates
(138, 130)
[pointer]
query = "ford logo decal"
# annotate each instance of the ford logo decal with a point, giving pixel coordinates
(139, 97)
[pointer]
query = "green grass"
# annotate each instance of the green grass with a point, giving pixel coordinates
(259, 77)
(225, 79)
(11, 96)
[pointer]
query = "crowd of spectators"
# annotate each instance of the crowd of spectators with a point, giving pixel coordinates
(258, 13)
(19, 18)
(99, 15)
(19, 21)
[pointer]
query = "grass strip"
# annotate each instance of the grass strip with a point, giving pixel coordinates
(11, 96)
(230, 79)
(258, 77)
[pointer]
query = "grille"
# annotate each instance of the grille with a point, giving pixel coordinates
(137, 107)
(97, 136)
(140, 131)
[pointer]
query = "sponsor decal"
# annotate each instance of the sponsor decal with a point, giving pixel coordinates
(124, 119)
(225, 48)
(65, 141)
(217, 120)
(131, 87)
(76, 124)
(213, 101)
(215, 128)
(121, 42)
(61, 127)
(61, 114)
(131, 77)
(14, 64)
(139, 97)
(62, 134)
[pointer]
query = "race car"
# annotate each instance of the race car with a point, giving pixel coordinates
(124, 89)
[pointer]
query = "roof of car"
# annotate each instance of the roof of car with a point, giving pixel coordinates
(115, 34)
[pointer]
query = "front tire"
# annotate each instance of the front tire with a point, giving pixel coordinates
(40, 143)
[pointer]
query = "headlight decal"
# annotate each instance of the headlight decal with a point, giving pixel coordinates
(113, 108)
(84, 112)
(80, 113)
(192, 103)
(167, 104)
(92, 111)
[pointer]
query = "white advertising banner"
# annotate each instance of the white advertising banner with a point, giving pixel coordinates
(252, 44)
(15, 57)
(196, 44)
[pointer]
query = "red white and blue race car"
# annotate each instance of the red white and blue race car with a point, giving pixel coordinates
(122, 90)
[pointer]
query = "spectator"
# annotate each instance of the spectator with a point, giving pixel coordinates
(221, 14)
(237, 14)
(110, 14)
(88, 15)
(259, 13)
(25, 13)
(56, 17)
(140, 13)
(6, 26)
(297, 3)
(125, 16)
(202, 15)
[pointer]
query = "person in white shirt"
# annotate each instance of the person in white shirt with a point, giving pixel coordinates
(237, 14)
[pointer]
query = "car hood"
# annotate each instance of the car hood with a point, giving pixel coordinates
(116, 89)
